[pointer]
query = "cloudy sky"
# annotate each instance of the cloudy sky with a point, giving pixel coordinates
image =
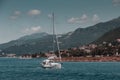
(24, 17)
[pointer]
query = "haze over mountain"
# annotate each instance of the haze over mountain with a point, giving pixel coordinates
(24, 40)
(43, 42)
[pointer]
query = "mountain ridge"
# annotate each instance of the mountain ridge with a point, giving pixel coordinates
(79, 37)
(83, 36)
(23, 39)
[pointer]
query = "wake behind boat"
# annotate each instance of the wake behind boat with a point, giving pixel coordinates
(50, 63)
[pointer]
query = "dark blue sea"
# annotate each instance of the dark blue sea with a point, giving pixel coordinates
(29, 69)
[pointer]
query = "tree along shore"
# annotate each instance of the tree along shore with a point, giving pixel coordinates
(90, 59)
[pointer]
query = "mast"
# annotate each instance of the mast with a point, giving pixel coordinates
(55, 37)
(58, 48)
(53, 33)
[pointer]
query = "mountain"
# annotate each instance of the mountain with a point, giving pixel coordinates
(109, 36)
(82, 36)
(23, 40)
(34, 36)
(31, 46)
(43, 41)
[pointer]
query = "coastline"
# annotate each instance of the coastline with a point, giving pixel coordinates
(90, 59)
(82, 59)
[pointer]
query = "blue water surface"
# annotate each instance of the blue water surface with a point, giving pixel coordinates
(30, 69)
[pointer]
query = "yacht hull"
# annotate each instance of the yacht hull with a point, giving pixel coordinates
(52, 65)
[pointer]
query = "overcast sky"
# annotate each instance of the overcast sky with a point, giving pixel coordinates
(24, 17)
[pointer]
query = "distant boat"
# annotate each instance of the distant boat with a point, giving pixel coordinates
(49, 62)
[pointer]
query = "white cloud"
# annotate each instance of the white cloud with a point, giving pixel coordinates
(82, 19)
(96, 18)
(116, 2)
(34, 12)
(73, 20)
(35, 29)
(31, 30)
(15, 15)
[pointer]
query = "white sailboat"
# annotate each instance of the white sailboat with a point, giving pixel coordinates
(50, 63)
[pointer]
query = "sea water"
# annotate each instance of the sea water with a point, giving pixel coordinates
(30, 69)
